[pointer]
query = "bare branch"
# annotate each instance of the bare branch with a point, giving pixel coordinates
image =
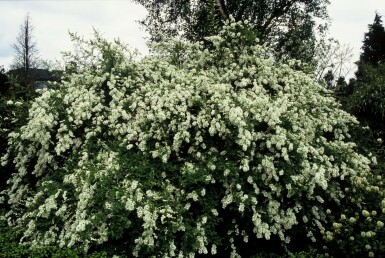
(26, 53)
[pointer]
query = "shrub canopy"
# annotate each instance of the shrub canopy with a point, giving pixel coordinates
(185, 151)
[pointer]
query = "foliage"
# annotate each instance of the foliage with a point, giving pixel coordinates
(357, 231)
(13, 114)
(187, 151)
(289, 27)
(312, 253)
(363, 219)
(4, 85)
(328, 79)
(374, 43)
(11, 248)
(364, 95)
(373, 49)
(368, 98)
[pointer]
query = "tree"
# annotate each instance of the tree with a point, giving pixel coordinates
(328, 79)
(333, 56)
(26, 52)
(374, 43)
(288, 26)
(342, 90)
(373, 48)
(5, 121)
(4, 91)
(4, 84)
(13, 113)
(366, 93)
(187, 151)
(367, 100)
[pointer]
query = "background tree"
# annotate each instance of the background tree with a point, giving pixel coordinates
(26, 52)
(4, 86)
(364, 96)
(328, 79)
(367, 100)
(374, 43)
(288, 26)
(4, 120)
(14, 104)
(373, 48)
(333, 56)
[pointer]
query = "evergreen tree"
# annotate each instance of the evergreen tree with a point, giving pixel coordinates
(367, 101)
(373, 47)
(374, 43)
(4, 86)
(364, 96)
(329, 79)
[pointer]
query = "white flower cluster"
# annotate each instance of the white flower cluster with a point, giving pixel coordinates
(229, 125)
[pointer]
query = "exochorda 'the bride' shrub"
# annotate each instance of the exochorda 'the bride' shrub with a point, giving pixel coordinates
(186, 151)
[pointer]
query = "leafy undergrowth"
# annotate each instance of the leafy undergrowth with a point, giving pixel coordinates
(11, 248)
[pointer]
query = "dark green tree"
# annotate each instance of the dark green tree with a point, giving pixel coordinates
(14, 104)
(365, 95)
(374, 43)
(367, 101)
(342, 89)
(5, 113)
(329, 79)
(288, 26)
(4, 85)
(373, 48)
(373, 54)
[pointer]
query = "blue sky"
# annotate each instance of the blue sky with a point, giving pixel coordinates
(117, 19)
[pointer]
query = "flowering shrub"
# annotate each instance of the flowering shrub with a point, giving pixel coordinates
(355, 228)
(358, 230)
(186, 151)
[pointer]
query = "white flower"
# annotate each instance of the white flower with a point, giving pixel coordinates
(149, 136)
